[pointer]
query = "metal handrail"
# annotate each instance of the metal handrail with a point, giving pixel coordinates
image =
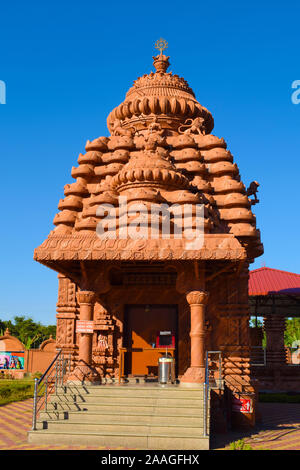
(218, 381)
(206, 387)
(48, 382)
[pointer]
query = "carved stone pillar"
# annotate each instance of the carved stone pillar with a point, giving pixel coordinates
(84, 370)
(274, 326)
(196, 372)
(66, 318)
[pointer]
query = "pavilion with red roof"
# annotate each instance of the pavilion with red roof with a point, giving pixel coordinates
(275, 296)
(273, 291)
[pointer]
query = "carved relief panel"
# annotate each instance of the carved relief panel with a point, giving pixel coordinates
(66, 313)
(103, 341)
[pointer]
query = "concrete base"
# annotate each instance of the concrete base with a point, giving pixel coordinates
(70, 381)
(84, 373)
(191, 384)
(137, 442)
(194, 375)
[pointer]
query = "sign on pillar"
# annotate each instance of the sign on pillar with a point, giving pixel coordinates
(84, 326)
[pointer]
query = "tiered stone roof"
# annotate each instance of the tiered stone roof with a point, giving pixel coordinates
(160, 151)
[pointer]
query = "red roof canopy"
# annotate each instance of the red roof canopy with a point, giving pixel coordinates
(264, 281)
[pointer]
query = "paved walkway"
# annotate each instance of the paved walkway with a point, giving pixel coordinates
(16, 420)
(279, 429)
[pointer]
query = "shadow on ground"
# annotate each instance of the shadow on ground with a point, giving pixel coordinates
(278, 427)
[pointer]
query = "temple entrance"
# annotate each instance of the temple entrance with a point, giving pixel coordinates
(150, 332)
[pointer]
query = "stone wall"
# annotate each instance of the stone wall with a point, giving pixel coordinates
(35, 360)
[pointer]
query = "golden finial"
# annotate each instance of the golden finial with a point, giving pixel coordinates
(161, 62)
(161, 45)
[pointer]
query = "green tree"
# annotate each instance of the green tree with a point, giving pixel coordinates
(30, 333)
(255, 322)
(292, 331)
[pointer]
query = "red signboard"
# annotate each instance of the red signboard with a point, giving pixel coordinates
(242, 405)
(84, 326)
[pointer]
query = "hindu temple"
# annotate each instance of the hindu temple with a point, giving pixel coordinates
(128, 289)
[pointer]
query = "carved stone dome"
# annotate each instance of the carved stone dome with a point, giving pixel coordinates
(160, 94)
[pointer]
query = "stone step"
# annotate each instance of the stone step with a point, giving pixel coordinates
(116, 439)
(129, 408)
(115, 391)
(141, 417)
(128, 400)
(125, 428)
(154, 418)
(117, 386)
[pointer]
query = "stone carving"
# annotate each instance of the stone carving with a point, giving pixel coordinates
(162, 94)
(197, 297)
(102, 343)
(193, 126)
(65, 332)
(66, 313)
(252, 190)
(160, 121)
(160, 150)
(92, 248)
(118, 129)
(86, 297)
(104, 353)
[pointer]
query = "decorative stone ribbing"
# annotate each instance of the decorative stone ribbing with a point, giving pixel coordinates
(162, 94)
(194, 166)
(274, 326)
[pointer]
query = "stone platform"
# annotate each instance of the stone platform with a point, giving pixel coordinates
(145, 416)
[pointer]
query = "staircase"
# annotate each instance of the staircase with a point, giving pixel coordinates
(144, 416)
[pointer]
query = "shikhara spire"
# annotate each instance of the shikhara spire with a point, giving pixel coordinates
(160, 149)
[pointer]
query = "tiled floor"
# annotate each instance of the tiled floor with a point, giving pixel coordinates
(15, 421)
(279, 429)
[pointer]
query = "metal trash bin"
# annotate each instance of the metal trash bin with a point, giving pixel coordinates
(166, 370)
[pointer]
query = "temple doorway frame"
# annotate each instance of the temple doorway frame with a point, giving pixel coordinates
(173, 308)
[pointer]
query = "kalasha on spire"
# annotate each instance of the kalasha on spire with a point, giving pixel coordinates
(161, 62)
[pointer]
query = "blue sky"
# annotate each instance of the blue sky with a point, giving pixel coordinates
(66, 65)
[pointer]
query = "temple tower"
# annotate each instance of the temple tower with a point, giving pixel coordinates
(156, 234)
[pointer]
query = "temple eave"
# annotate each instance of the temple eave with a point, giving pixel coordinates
(88, 248)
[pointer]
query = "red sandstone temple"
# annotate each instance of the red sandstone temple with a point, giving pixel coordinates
(127, 293)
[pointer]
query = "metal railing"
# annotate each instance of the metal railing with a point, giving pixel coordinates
(213, 363)
(211, 366)
(48, 383)
(258, 356)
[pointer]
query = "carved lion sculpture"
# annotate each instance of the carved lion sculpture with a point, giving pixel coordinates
(192, 126)
(252, 190)
(119, 130)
